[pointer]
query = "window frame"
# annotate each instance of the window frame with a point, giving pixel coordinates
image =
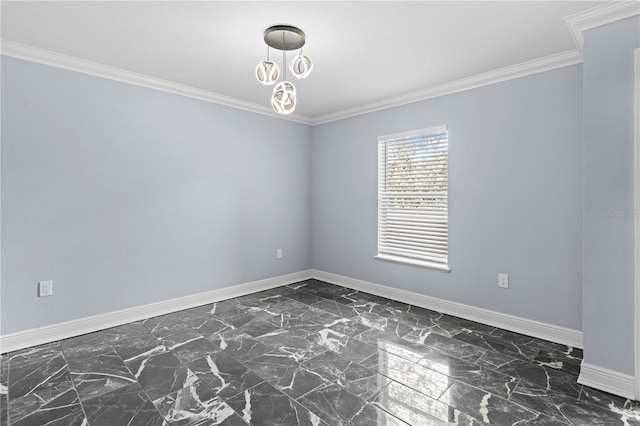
(425, 132)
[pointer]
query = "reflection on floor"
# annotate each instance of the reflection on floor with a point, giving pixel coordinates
(310, 353)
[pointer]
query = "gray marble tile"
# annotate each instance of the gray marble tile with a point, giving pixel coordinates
(394, 311)
(264, 405)
(416, 409)
(163, 323)
(285, 374)
(361, 381)
(36, 369)
(333, 404)
(336, 308)
(239, 344)
(197, 404)
(124, 406)
(162, 374)
(223, 374)
(330, 339)
(329, 365)
(371, 415)
(609, 401)
(132, 348)
(85, 345)
(546, 378)
(277, 306)
(252, 325)
(495, 344)
(446, 321)
(342, 298)
(314, 286)
(4, 387)
(309, 353)
(208, 326)
(96, 375)
(453, 347)
(386, 326)
(294, 346)
(424, 380)
(582, 412)
(365, 306)
(348, 326)
(348, 347)
(494, 360)
(175, 335)
(399, 346)
(570, 410)
(558, 361)
(485, 406)
(305, 297)
(358, 380)
(229, 313)
(299, 324)
(194, 349)
(126, 330)
(470, 373)
(421, 328)
(52, 397)
(217, 308)
(533, 343)
(541, 400)
(64, 410)
(258, 327)
(268, 302)
(4, 402)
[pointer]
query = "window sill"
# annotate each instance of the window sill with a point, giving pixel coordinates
(414, 262)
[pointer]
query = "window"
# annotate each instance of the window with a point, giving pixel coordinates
(413, 197)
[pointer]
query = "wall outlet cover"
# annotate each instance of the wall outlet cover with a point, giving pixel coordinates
(45, 288)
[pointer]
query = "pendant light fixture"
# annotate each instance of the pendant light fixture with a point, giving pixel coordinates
(284, 38)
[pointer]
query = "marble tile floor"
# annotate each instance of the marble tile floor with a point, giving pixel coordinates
(309, 353)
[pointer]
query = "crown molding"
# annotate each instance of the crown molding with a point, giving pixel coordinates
(46, 57)
(597, 16)
(577, 24)
(479, 80)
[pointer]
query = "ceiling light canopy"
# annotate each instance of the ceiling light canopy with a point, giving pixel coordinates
(284, 38)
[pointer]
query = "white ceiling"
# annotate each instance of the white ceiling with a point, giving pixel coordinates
(364, 53)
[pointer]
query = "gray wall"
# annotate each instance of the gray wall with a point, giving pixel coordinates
(608, 195)
(515, 155)
(126, 196)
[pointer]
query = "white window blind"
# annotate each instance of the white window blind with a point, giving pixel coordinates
(413, 225)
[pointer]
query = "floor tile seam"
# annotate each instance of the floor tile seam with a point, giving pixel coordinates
(382, 407)
(393, 380)
(531, 410)
(66, 367)
(152, 401)
(309, 391)
(332, 384)
(369, 403)
(568, 360)
(8, 361)
(9, 421)
(73, 383)
(467, 363)
(479, 349)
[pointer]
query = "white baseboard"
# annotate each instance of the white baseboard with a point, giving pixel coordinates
(51, 333)
(607, 380)
(565, 336)
(590, 375)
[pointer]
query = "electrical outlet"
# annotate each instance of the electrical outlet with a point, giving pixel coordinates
(503, 280)
(279, 254)
(45, 288)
